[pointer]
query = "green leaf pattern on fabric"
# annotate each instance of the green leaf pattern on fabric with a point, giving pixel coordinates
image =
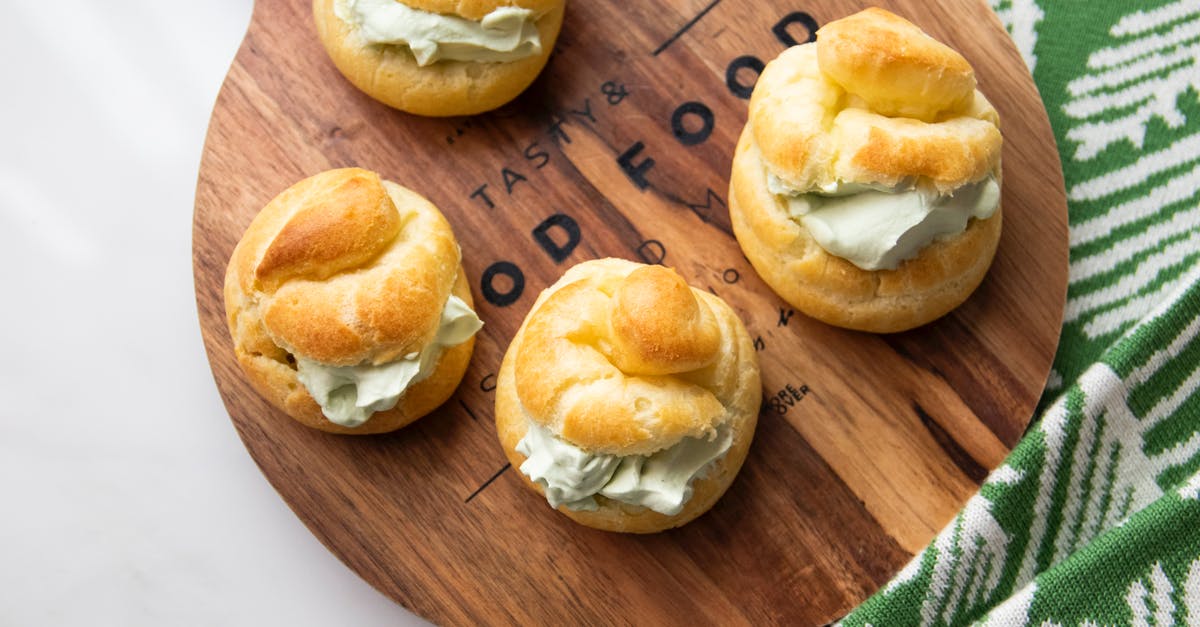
(1094, 518)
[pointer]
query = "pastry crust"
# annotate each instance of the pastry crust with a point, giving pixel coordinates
(626, 359)
(390, 74)
(895, 67)
(832, 289)
(834, 112)
(813, 132)
(344, 268)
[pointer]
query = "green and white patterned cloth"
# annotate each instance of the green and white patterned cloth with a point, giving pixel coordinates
(1094, 519)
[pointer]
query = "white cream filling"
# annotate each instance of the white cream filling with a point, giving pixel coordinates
(877, 227)
(348, 395)
(505, 34)
(661, 481)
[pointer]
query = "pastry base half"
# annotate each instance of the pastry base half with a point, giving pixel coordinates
(275, 379)
(832, 289)
(390, 74)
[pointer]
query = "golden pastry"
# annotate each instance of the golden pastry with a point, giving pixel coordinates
(347, 304)
(627, 398)
(866, 184)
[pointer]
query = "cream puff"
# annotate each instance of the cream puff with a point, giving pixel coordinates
(628, 399)
(439, 57)
(347, 304)
(866, 184)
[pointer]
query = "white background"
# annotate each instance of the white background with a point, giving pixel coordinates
(126, 497)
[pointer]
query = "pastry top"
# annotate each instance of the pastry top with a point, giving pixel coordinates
(344, 269)
(874, 101)
(626, 359)
(895, 67)
(477, 9)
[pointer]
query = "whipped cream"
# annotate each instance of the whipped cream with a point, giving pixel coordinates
(348, 395)
(876, 227)
(661, 481)
(505, 34)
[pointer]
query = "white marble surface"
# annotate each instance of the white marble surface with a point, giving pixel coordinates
(128, 498)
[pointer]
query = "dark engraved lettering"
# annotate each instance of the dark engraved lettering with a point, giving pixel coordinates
(731, 276)
(569, 227)
(511, 178)
(796, 17)
(793, 392)
(481, 192)
(679, 125)
(704, 211)
(759, 344)
(458, 132)
(614, 92)
(787, 398)
(556, 131)
(488, 287)
(587, 111)
(785, 315)
(537, 155)
(636, 171)
(488, 382)
(652, 251)
(737, 87)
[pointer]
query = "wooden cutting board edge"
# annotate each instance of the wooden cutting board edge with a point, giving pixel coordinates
(216, 358)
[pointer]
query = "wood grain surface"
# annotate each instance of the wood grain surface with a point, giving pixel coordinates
(867, 445)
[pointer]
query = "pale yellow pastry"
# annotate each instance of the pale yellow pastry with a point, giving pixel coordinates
(440, 57)
(347, 304)
(866, 184)
(627, 398)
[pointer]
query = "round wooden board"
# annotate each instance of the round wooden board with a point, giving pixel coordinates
(867, 445)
